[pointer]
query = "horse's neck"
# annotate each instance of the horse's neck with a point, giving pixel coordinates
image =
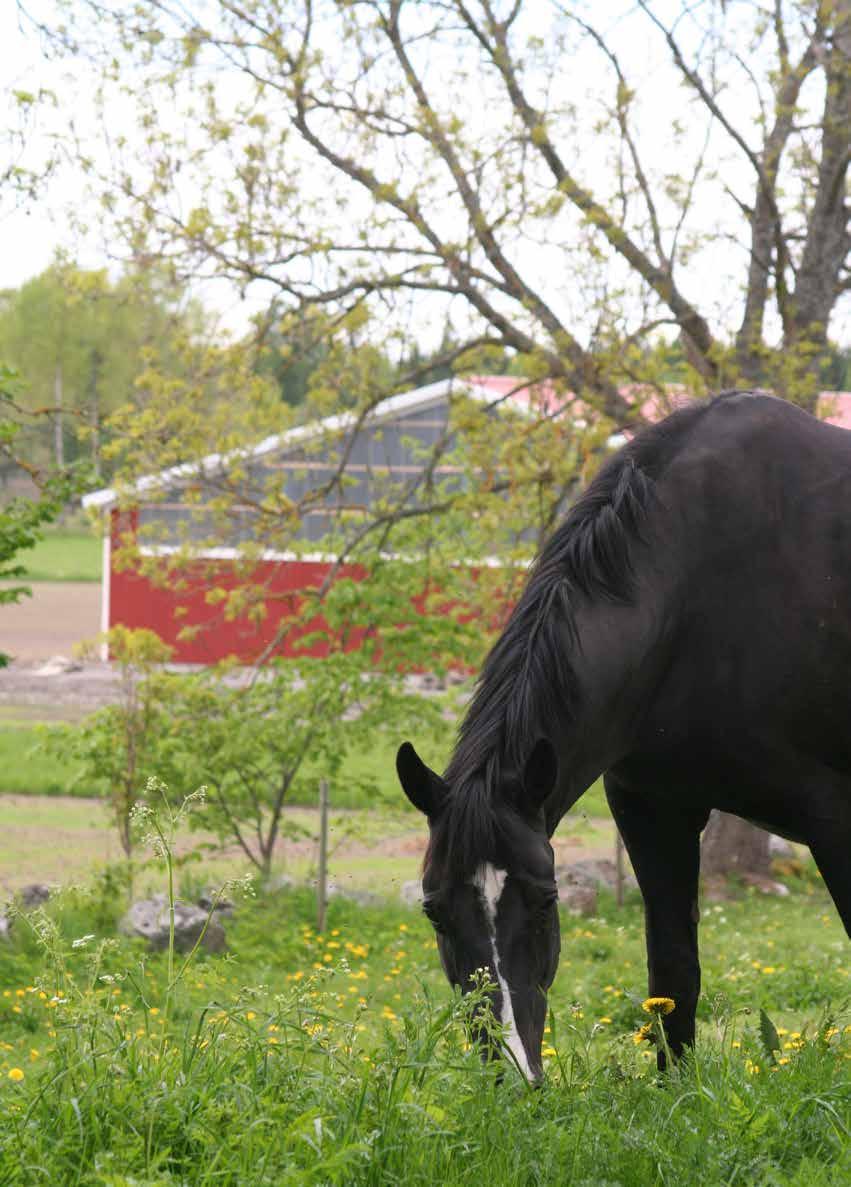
(618, 665)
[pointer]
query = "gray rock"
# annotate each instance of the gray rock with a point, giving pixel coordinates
(578, 898)
(411, 892)
(149, 919)
(222, 906)
(32, 896)
(58, 665)
(597, 872)
(281, 882)
(780, 847)
(364, 898)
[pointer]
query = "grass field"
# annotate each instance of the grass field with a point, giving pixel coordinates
(64, 555)
(368, 777)
(342, 1059)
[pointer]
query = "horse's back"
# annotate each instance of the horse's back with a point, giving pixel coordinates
(756, 513)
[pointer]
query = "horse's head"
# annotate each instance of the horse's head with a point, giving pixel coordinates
(494, 907)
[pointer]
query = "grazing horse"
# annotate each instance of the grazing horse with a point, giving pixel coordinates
(686, 631)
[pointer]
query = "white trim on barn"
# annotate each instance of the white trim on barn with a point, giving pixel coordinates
(319, 558)
(105, 589)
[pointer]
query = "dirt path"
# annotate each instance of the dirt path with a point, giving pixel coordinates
(57, 616)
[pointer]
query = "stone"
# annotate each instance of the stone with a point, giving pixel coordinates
(578, 898)
(149, 919)
(597, 872)
(765, 885)
(780, 847)
(32, 896)
(363, 898)
(208, 902)
(280, 882)
(58, 665)
(411, 892)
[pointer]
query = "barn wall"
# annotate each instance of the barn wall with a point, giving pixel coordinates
(136, 601)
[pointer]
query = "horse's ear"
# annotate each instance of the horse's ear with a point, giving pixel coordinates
(539, 776)
(421, 785)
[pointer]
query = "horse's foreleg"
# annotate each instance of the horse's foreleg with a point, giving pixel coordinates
(664, 848)
(830, 845)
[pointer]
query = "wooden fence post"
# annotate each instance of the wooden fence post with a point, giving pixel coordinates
(618, 867)
(322, 878)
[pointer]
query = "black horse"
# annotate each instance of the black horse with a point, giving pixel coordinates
(686, 631)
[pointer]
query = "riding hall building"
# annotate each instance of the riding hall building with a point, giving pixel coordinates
(389, 445)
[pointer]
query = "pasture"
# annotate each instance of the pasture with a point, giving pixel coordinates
(343, 1059)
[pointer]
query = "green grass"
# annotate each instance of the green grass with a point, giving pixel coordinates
(368, 778)
(64, 555)
(342, 1059)
(27, 769)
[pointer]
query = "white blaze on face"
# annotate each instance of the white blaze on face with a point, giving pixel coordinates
(489, 882)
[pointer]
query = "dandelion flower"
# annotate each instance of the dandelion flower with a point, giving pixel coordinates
(658, 1005)
(16, 1074)
(644, 1034)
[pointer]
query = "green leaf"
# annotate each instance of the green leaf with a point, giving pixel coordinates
(768, 1034)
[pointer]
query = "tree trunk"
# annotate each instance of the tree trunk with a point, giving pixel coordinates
(732, 846)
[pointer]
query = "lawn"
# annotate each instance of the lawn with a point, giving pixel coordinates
(342, 1058)
(64, 555)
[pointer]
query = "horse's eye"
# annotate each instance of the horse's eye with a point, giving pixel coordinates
(430, 912)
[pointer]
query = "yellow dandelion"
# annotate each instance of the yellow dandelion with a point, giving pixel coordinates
(644, 1034)
(16, 1074)
(658, 1005)
(250, 1015)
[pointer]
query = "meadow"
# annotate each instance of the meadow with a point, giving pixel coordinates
(342, 1058)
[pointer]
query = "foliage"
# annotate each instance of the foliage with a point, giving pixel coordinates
(81, 339)
(259, 742)
(122, 745)
(23, 517)
(543, 209)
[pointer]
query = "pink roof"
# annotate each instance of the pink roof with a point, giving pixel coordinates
(834, 407)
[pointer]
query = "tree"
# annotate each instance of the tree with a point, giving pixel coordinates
(392, 160)
(258, 745)
(81, 339)
(124, 744)
(343, 168)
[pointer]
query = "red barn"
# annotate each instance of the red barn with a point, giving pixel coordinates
(387, 447)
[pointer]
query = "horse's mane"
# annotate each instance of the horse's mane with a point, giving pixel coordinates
(527, 688)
